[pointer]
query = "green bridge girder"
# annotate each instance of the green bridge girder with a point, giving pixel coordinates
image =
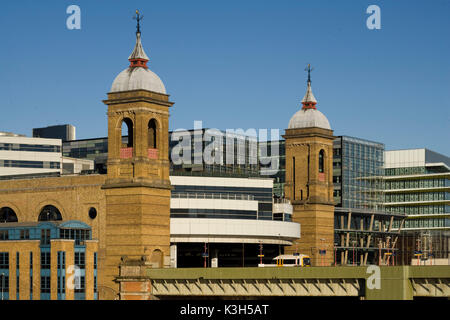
(396, 282)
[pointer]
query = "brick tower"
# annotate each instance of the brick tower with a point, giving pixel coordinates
(137, 187)
(309, 180)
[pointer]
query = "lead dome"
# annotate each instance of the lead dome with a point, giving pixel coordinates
(309, 116)
(138, 76)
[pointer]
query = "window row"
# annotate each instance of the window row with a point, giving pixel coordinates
(419, 196)
(424, 223)
(30, 164)
(404, 171)
(29, 147)
(423, 183)
(213, 213)
(431, 209)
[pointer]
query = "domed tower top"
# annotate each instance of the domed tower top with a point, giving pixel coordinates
(138, 76)
(309, 116)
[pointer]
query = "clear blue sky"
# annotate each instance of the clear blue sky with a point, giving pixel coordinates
(235, 64)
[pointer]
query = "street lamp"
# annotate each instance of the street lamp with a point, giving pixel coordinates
(279, 244)
(335, 253)
(353, 242)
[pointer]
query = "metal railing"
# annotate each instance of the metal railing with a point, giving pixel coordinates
(223, 196)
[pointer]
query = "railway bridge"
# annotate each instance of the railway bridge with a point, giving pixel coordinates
(140, 282)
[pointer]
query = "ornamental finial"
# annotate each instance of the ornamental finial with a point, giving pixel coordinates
(138, 17)
(309, 69)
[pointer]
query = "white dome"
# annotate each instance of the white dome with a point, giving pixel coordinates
(309, 118)
(138, 78)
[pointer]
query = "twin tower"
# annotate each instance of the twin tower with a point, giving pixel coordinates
(137, 187)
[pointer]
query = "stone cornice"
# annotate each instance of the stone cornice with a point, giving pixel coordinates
(308, 132)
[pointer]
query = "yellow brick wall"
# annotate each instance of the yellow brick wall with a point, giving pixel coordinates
(24, 247)
(73, 196)
(311, 197)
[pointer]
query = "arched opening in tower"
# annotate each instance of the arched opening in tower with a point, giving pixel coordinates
(127, 133)
(152, 135)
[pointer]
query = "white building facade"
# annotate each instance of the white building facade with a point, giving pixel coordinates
(227, 221)
(21, 155)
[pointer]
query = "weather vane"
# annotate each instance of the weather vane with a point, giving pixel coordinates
(138, 17)
(309, 69)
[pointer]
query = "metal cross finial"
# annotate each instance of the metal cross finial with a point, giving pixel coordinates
(309, 69)
(138, 18)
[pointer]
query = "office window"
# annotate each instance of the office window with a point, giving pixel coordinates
(45, 236)
(31, 260)
(80, 260)
(4, 283)
(81, 287)
(4, 235)
(24, 234)
(61, 285)
(45, 284)
(61, 259)
(95, 260)
(45, 260)
(4, 260)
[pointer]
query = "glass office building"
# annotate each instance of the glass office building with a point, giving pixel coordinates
(92, 149)
(210, 152)
(200, 152)
(364, 231)
(358, 173)
(417, 184)
(226, 221)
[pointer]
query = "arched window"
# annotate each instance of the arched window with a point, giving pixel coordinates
(321, 161)
(157, 258)
(7, 215)
(50, 213)
(127, 133)
(152, 141)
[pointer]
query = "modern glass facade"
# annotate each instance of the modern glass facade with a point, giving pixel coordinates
(206, 152)
(226, 154)
(417, 184)
(273, 164)
(92, 149)
(263, 197)
(358, 173)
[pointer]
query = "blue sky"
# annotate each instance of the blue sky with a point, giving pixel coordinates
(235, 64)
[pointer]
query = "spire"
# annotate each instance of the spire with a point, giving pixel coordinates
(138, 58)
(309, 101)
